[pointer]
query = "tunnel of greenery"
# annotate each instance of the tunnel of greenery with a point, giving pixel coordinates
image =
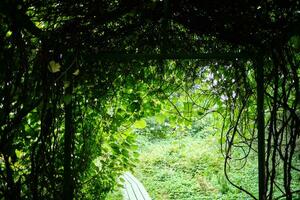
(79, 77)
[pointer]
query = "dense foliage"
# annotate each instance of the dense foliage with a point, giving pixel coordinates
(190, 165)
(76, 75)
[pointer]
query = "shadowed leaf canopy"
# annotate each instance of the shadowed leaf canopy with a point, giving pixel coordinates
(104, 45)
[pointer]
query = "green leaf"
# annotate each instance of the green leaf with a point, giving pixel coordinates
(66, 84)
(97, 162)
(200, 113)
(160, 118)
(125, 152)
(8, 33)
(134, 147)
(76, 73)
(18, 153)
(54, 66)
(136, 154)
(140, 124)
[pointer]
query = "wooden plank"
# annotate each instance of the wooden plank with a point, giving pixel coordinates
(129, 191)
(140, 186)
(133, 188)
(123, 56)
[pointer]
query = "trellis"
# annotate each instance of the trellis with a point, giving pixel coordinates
(259, 66)
(264, 36)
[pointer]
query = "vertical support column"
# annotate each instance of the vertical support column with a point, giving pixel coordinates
(260, 126)
(68, 138)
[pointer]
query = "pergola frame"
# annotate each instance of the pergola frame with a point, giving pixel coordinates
(259, 67)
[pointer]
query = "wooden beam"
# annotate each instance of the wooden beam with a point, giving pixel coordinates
(68, 189)
(260, 127)
(123, 56)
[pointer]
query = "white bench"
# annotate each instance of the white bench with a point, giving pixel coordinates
(133, 188)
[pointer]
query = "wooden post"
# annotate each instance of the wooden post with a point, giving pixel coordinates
(260, 127)
(68, 138)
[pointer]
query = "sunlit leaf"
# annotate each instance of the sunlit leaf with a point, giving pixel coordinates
(54, 66)
(76, 73)
(18, 153)
(140, 124)
(8, 33)
(160, 118)
(66, 84)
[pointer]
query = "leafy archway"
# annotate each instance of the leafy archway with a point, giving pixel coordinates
(66, 62)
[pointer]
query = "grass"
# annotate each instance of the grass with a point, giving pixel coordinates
(190, 168)
(187, 168)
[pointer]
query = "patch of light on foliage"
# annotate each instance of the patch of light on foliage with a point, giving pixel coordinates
(233, 94)
(210, 76)
(224, 97)
(196, 86)
(215, 82)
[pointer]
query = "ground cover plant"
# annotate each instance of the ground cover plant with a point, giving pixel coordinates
(188, 164)
(190, 168)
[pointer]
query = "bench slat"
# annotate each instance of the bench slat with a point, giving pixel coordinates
(133, 188)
